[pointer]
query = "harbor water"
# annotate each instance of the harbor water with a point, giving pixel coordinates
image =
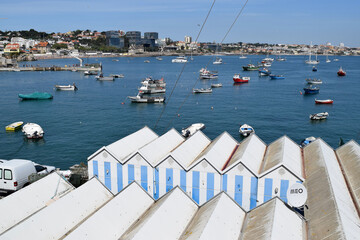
(77, 124)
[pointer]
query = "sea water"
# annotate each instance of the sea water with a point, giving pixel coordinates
(77, 124)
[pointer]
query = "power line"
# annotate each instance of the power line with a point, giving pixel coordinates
(183, 68)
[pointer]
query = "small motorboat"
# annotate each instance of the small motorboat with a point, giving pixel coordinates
(216, 85)
(32, 131)
(206, 74)
(319, 116)
(115, 60)
(276, 77)
(335, 60)
(313, 81)
(141, 99)
(311, 90)
(218, 61)
(202, 90)
(325, 101)
(341, 72)
(146, 89)
(87, 73)
(242, 57)
(192, 129)
(153, 83)
(180, 59)
(307, 141)
(146, 61)
(101, 77)
(314, 69)
(66, 87)
(159, 58)
(264, 72)
(36, 96)
(117, 75)
(250, 67)
(14, 126)
(239, 79)
(246, 130)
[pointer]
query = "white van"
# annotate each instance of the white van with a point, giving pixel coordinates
(14, 174)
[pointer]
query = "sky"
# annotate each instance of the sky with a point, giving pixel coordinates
(263, 21)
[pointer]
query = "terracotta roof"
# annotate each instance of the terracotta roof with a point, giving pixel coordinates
(42, 44)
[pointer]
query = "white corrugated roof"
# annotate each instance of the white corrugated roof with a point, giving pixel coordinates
(272, 220)
(25, 202)
(250, 152)
(283, 152)
(331, 212)
(218, 152)
(129, 144)
(160, 147)
(190, 149)
(220, 218)
(112, 220)
(166, 219)
(54, 221)
(349, 156)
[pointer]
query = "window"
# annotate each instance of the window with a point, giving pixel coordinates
(0, 173)
(7, 174)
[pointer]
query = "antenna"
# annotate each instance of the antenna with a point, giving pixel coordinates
(297, 195)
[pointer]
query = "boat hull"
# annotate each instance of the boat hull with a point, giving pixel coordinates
(327, 101)
(65, 88)
(36, 96)
(14, 126)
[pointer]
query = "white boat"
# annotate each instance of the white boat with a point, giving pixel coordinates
(32, 130)
(216, 85)
(218, 61)
(268, 59)
(313, 81)
(246, 130)
(202, 90)
(146, 61)
(66, 87)
(104, 78)
(335, 60)
(146, 89)
(180, 59)
(192, 129)
(141, 99)
(90, 73)
(307, 141)
(242, 57)
(319, 116)
(159, 58)
(327, 58)
(281, 59)
(310, 61)
(117, 75)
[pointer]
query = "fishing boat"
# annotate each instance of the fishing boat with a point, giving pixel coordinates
(117, 75)
(202, 90)
(14, 126)
(250, 67)
(101, 77)
(36, 96)
(313, 81)
(341, 72)
(246, 130)
(311, 90)
(325, 101)
(87, 73)
(239, 79)
(192, 129)
(32, 131)
(218, 61)
(314, 69)
(264, 72)
(154, 83)
(142, 99)
(146, 89)
(66, 87)
(266, 64)
(276, 77)
(216, 85)
(307, 141)
(268, 59)
(180, 59)
(206, 74)
(319, 116)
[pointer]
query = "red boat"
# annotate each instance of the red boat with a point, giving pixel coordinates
(238, 79)
(327, 101)
(341, 72)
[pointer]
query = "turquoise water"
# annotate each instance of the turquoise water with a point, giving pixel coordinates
(76, 124)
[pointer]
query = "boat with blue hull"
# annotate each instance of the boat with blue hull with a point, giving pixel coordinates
(36, 96)
(277, 77)
(311, 90)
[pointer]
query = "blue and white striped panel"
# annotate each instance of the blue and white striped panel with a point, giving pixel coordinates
(156, 192)
(144, 177)
(210, 186)
(268, 189)
(196, 186)
(119, 168)
(107, 175)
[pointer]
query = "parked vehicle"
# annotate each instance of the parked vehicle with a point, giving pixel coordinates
(14, 174)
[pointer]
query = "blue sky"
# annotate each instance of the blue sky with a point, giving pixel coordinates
(278, 21)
